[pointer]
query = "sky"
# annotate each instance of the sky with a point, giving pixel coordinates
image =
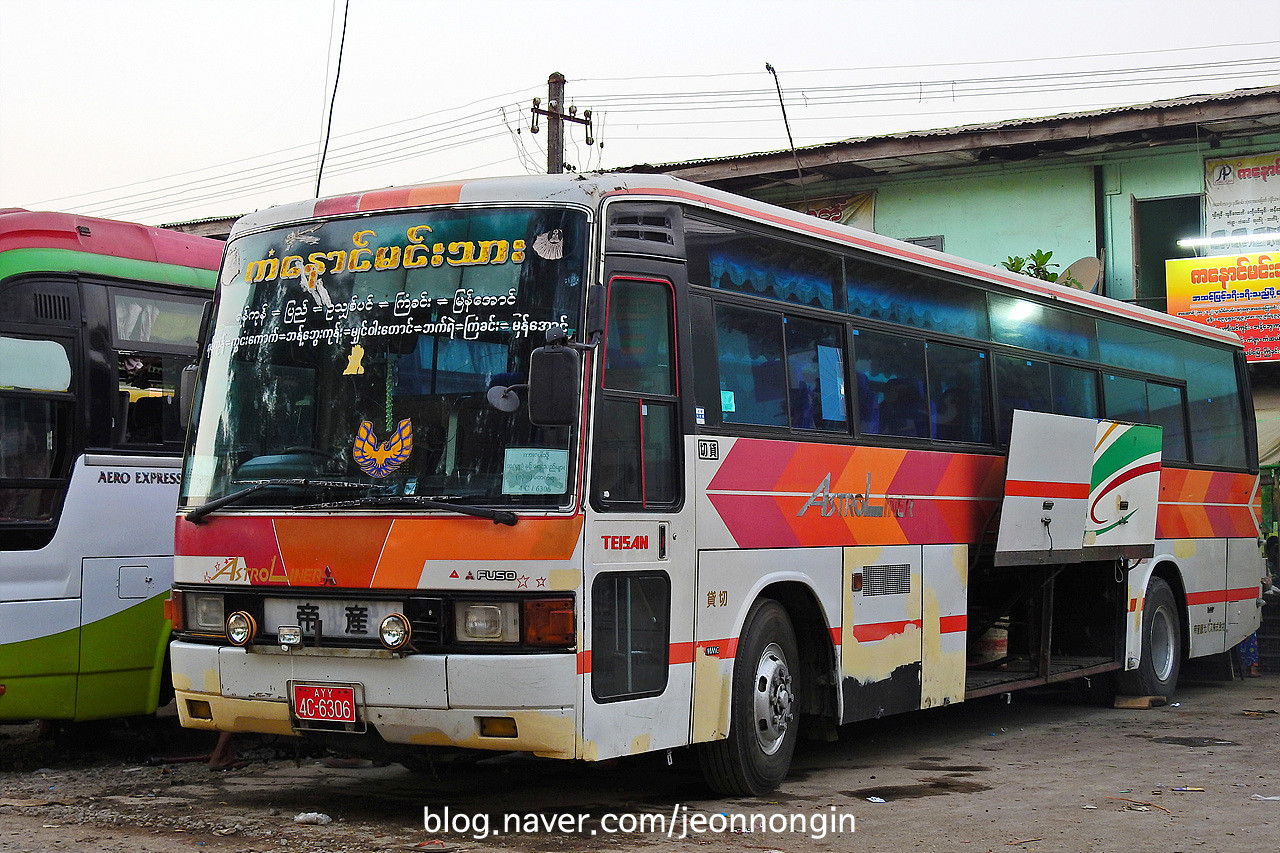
(160, 111)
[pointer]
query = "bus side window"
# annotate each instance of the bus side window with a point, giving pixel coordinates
(753, 380)
(147, 405)
(630, 634)
(815, 371)
(1075, 391)
(1021, 383)
(635, 442)
(1145, 402)
(893, 367)
(638, 351)
(636, 462)
(958, 409)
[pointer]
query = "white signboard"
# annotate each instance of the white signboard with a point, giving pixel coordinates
(1242, 196)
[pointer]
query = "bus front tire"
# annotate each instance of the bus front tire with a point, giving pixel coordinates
(1157, 674)
(763, 712)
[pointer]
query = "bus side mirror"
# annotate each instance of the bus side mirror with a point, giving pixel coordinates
(554, 385)
(187, 378)
(596, 305)
(187, 392)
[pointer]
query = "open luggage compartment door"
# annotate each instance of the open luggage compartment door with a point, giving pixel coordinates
(1046, 489)
(1078, 489)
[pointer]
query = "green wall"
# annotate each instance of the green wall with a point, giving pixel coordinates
(987, 215)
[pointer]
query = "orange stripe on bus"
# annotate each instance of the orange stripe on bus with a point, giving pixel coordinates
(442, 194)
(340, 552)
(413, 541)
(410, 197)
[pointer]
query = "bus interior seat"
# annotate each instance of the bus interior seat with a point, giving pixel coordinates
(145, 421)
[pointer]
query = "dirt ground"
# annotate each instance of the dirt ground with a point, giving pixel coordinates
(1046, 772)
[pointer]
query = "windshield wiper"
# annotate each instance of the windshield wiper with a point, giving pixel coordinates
(216, 504)
(497, 516)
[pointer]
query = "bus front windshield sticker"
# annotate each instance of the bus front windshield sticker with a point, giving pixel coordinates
(535, 471)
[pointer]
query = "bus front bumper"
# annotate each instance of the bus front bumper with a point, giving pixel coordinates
(421, 700)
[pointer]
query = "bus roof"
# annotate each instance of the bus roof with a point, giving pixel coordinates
(591, 189)
(25, 229)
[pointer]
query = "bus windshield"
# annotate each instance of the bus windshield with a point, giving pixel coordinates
(354, 355)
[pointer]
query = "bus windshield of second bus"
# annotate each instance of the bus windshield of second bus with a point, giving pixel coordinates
(373, 370)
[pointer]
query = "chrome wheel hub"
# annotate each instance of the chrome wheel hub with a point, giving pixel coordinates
(774, 699)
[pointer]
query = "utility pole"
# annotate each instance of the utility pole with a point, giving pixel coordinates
(555, 124)
(556, 117)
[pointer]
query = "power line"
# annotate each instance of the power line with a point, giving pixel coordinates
(291, 166)
(448, 129)
(297, 177)
(932, 65)
(908, 89)
(292, 148)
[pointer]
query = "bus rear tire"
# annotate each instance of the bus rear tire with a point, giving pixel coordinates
(763, 712)
(1157, 674)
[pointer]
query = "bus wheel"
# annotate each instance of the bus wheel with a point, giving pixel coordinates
(756, 755)
(1157, 674)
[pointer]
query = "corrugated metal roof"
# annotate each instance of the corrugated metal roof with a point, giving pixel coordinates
(1190, 100)
(990, 127)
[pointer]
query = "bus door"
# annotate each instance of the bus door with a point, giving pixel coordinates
(638, 641)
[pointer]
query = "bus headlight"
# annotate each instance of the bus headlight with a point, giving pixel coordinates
(241, 628)
(486, 622)
(204, 612)
(395, 631)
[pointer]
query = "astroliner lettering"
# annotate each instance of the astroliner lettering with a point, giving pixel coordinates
(856, 504)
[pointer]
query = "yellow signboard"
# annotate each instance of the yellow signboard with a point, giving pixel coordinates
(1233, 292)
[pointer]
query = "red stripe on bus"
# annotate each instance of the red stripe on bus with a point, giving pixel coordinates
(835, 636)
(336, 205)
(881, 630)
(584, 662)
(1041, 489)
(953, 624)
(1222, 596)
(680, 653)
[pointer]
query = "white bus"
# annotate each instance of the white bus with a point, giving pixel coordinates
(97, 319)
(768, 475)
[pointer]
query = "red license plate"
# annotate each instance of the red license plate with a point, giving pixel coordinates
(324, 703)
